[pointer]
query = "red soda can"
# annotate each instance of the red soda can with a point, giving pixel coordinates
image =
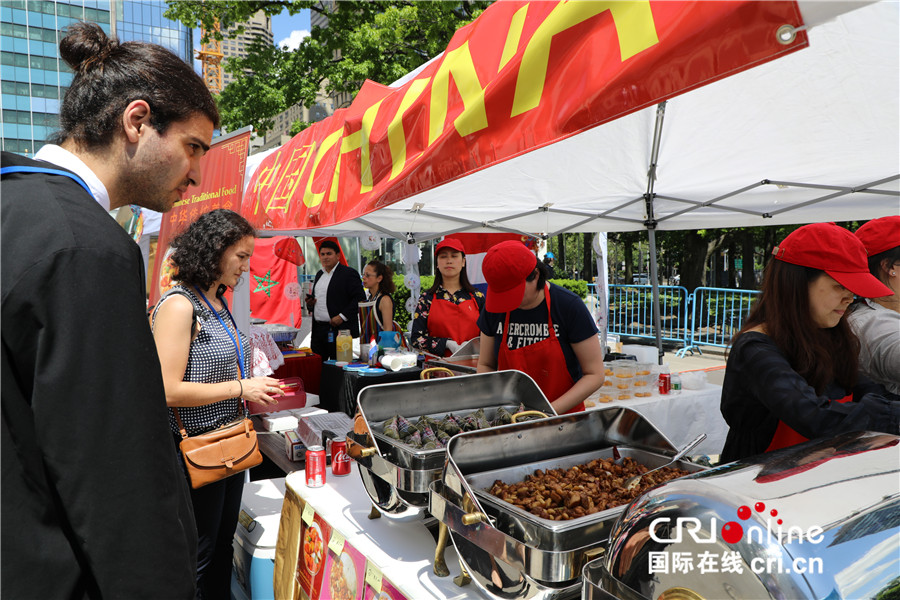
(315, 466)
(340, 460)
(665, 383)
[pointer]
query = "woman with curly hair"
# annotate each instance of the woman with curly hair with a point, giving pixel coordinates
(793, 370)
(204, 360)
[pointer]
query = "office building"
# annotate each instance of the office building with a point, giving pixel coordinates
(257, 29)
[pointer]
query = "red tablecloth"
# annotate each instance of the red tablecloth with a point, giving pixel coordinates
(307, 368)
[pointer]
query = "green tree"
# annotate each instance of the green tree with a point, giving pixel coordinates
(381, 41)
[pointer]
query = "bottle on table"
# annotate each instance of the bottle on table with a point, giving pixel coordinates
(344, 345)
(676, 384)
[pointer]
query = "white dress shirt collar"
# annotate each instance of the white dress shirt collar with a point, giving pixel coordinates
(61, 157)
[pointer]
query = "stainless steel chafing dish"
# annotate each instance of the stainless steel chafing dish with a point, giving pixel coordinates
(835, 532)
(511, 553)
(464, 360)
(396, 476)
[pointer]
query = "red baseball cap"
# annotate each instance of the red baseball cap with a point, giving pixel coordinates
(836, 251)
(880, 235)
(453, 243)
(505, 267)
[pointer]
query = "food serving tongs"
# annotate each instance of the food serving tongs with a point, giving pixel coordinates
(632, 482)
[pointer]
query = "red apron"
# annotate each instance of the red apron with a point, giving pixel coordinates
(785, 436)
(544, 361)
(458, 322)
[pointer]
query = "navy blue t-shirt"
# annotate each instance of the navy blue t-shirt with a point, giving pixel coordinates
(572, 323)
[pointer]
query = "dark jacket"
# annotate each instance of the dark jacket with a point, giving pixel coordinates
(761, 389)
(94, 503)
(345, 292)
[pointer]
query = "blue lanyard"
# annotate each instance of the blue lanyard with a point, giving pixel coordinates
(29, 169)
(237, 343)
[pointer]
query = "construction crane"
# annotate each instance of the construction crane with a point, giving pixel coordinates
(210, 56)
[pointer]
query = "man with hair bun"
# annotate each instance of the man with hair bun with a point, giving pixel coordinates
(94, 503)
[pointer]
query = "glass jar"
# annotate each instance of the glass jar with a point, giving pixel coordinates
(344, 346)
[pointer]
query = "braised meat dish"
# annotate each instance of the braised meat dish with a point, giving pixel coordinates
(564, 494)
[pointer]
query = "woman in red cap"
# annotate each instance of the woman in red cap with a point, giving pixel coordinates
(792, 372)
(539, 328)
(876, 321)
(447, 312)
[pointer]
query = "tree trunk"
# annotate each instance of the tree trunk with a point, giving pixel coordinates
(732, 281)
(628, 251)
(768, 244)
(561, 266)
(587, 270)
(693, 262)
(748, 255)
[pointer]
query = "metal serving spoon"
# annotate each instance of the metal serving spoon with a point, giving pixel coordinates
(632, 482)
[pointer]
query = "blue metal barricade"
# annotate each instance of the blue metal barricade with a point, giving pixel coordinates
(631, 312)
(716, 316)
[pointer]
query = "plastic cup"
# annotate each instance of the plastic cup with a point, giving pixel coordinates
(624, 388)
(625, 369)
(643, 368)
(644, 385)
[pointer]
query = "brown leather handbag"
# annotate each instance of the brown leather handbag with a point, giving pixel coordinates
(219, 453)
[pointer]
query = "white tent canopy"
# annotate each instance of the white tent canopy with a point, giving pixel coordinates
(809, 137)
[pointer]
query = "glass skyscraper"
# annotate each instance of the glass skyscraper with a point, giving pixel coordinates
(32, 76)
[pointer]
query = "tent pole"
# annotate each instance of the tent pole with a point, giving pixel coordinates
(650, 223)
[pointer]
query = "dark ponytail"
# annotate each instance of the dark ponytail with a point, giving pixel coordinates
(110, 75)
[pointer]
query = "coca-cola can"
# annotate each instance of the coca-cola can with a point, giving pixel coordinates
(340, 460)
(665, 383)
(315, 466)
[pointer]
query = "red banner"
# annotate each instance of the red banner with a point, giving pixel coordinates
(221, 186)
(522, 76)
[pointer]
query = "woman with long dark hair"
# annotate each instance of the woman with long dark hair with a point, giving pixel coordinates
(447, 313)
(205, 360)
(793, 371)
(378, 279)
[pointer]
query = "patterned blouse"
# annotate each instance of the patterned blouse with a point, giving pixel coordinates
(420, 338)
(212, 359)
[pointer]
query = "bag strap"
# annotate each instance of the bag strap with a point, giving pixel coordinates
(181, 429)
(46, 171)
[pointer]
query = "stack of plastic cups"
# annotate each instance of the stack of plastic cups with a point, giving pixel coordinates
(623, 373)
(644, 382)
(606, 393)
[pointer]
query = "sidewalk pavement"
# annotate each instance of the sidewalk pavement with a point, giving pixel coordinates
(712, 361)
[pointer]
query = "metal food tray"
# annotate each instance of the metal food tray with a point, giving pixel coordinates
(280, 333)
(547, 533)
(397, 476)
(411, 457)
(511, 553)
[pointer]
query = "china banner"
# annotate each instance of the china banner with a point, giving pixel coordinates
(221, 186)
(521, 76)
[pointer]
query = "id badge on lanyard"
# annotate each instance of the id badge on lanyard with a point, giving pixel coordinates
(331, 336)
